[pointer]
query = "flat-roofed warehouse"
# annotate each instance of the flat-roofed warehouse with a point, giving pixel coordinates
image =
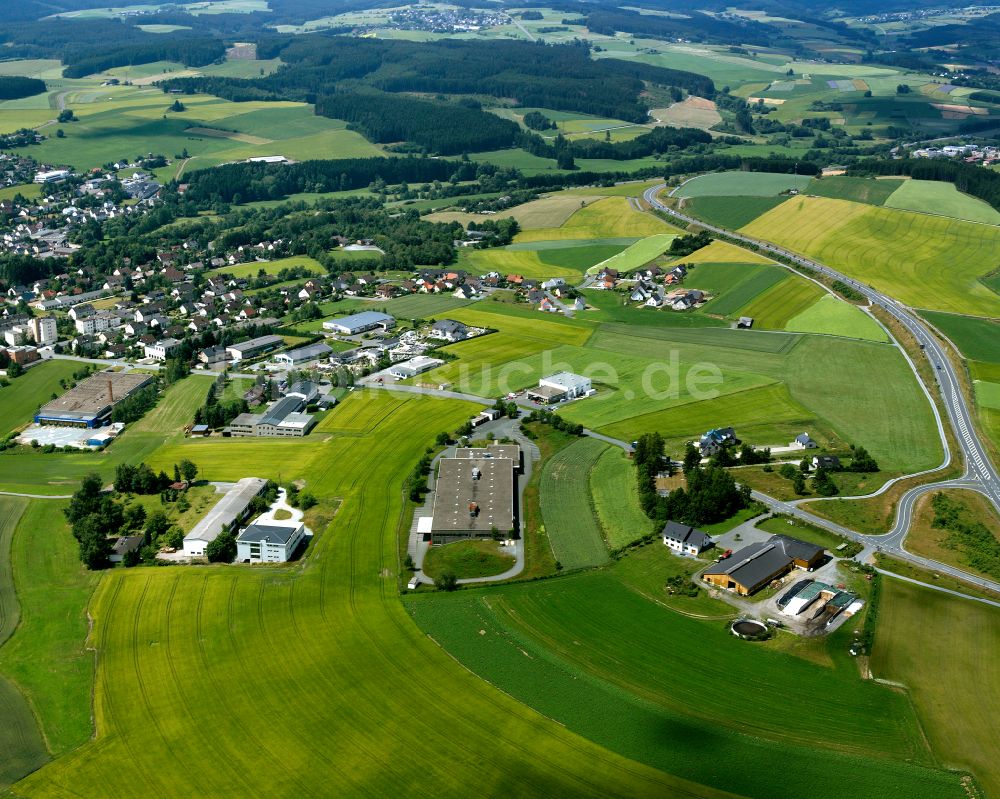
(89, 403)
(473, 496)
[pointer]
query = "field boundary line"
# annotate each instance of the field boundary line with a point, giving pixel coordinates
(943, 590)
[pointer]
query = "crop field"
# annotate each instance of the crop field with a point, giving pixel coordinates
(720, 252)
(978, 339)
(774, 308)
(833, 316)
(616, 499)
(183, 651)
(546, 212)
(527, 263)
(692, 112)
(602, 653)
(11, 509)
(742, 184)
(272, 267)
(859, 190)
(567, 508)
(640, 253)
(610, 217)
(731, 212)
(934, 644)
(734, 285)
(925, 261)
(943, 199)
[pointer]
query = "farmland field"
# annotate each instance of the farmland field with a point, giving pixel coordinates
(934, 644)
(640, 253)
(347, 699)
(616, 499)
(24, 395)
(272, 267)
(602, 653)
(421, 306)
(524, 262)
(774, 308)
(860, 190)
(731, 212)
(978, 339)
(742, 184)
(835, 317)
(925, 261)
(721, 252)
(567, 509)
(612, 216)
(937, 197)
(734, 285)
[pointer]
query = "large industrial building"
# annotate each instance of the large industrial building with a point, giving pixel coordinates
(559, 387)
(226, 515)
(475, 494)
(360, 323)
(89, 403)
(305, 354)
(283, 418)
(254, 347)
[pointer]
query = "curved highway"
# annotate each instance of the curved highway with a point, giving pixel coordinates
(980, 474)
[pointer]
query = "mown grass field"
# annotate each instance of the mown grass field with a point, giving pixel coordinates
(943, 199)
(859, 190)
(934, 644)
(527, 263)
(734, 285)
(603, 653)
(610, 306)
(720, 252)
(190, 654)
(834, 317)
(546, 212)
(567, 511)
(422, 306)
(978, 339)
(616, 499)
(742, 184)
(925, 261)
(731, 212)
(25, 394)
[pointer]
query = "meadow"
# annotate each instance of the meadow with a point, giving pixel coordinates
(934, 644)
(721, 252)
(638, 254)
(775, 308)
(567, 509)
(609, 217)
(978, 339)
(25, 394)
(832, 316)
(604, 654)
(859, 190)
(925, 261)
(741, 184)
(466, 559)
(734, 285)
(928, 541)
(185, 650)
(616, 499)
(731, 212)
(943, 199)
(311, 265)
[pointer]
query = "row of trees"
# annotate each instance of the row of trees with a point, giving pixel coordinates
(970, 178)
(141, 479)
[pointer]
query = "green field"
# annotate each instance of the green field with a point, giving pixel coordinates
(742, 184)
(776, 307)
(466, 559)
(943, 199)
(422, 306)
(25, 394)
(925, 261)
(183, 651)
(53, 590)
(734, 285)
(526, 263)
(978, 339)
(616, 499)
(29, 191)
(859, 190)
(610, 217)
(567, 511)
(639, 254)
(603, 653)
(610, 306)
(272, 267)
(934, 644)
(731, 212)
(833, 316)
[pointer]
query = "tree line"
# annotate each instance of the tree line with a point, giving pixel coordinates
(969, 178)
(14, 87)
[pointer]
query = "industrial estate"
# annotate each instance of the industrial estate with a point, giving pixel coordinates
(587, 399)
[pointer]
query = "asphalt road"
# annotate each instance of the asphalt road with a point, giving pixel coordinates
(980, 474)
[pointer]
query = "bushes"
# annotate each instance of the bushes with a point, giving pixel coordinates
(973, 538)
(556, 421)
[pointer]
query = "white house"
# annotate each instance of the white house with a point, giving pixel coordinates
(269, 543)
(803, 441)
(162, 349)
(560, 386)
(685, 539)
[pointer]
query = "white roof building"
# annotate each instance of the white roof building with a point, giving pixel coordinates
(227, 513)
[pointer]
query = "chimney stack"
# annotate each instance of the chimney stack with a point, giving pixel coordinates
(111, 393)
